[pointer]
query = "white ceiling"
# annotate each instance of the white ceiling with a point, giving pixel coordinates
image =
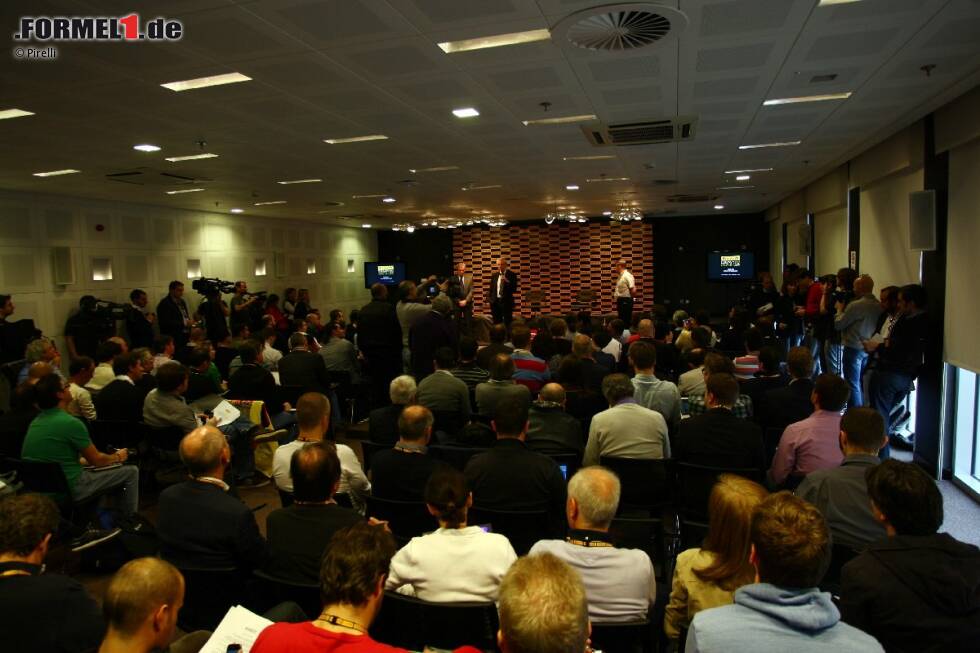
(337, 68)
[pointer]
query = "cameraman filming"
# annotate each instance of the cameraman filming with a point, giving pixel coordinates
(87, 328)
(241, 305)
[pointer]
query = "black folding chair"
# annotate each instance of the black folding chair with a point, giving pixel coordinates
(274, 591)
(413, 624)
(368, 449)
(522, 527)
(840, 555)
(569, 463)
(208, 594)
(454, 456)
(49, 478)
(696, 481)
(406, 519)
(629, 637)
(645, 484)
(449, 422)
(646, 534)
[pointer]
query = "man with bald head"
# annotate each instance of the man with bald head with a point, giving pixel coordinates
(500, 385)
(200, 524)
(400, 473)
(619, 583)
(551, 430)
(857, 322)
(592, 372)
(500, 295)
(141, 606)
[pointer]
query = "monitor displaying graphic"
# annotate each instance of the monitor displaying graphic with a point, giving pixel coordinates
(389, 274)
(731, 266)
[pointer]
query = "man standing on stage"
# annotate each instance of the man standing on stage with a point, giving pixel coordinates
(625, 286)
(460, 291)
(503, 285)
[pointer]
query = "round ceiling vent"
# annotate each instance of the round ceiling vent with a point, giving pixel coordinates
(621, 26)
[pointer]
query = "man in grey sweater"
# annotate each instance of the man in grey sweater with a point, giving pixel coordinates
(857, 322)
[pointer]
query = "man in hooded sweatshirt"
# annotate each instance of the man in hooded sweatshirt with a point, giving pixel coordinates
(783, 610)
(915, 590)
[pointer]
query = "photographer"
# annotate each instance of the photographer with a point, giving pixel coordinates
(214, 311)
(139, 321)
(241, 306)
(87, 328)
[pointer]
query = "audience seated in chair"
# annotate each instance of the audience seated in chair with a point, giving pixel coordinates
(200, 524)
(15, 422)
(467, 369)
(780, 407)
(200, 384)
(592, 372)
(501, 385)
(441, 391)
(79, 373)
(543, 607)
(512, 477)
(400, 473)
(691, 382)
(303, 368)
(299, 534)
(339, 354)
(841, 493)
(120, 400)
(103, 372)
(916, 589)
(255, 382)
(619, 583)
(313, 420)
(141, 605)
(769, 377)
(626, 429)
(456, 563)
(55, 436)
(715, 363)
(813, 443)
(717, 438)
(40, 350)
(163, 352)
(43, 612)
(707, 577)
(529, 370)
(649, 391)
(498, 336)
(783, 610)
(383, 422)
(550, 429)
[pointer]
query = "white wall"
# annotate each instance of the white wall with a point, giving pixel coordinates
(830, 236)
(885, 253)
(149, 247)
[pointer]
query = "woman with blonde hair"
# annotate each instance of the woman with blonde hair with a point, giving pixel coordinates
(708, 577)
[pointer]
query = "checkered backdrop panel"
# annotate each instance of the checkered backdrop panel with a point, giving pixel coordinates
(559, 260)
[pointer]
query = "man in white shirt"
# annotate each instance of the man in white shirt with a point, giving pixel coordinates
(625, 287)
(619, 583)
(626, 429)
(80, 372)
(313, 418)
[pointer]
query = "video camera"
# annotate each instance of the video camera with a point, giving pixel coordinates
(104, 309)
(205, 286)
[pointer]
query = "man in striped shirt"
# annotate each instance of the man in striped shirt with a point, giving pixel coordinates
(467, 370)
(529, 369)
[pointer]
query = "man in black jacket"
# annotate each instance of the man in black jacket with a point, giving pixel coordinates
(717, 438)
(383, 422)
(302, 368)
(120, 400)
(780, 407)
(430, 333)
(917, 589)
(550, 429)
(139, 324)
(401, 472)
(500, 295)
(498, 336)
(252, 381)
(200, 524)
(173, 316)
(379, 337)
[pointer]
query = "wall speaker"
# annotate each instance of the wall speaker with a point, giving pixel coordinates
(62, 266)
(922, 221)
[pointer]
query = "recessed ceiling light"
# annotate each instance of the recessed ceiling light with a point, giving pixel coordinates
(593, 157)
(410, 229)
(719, 207)
(204, 82)
(496, 41)
(356, 139)
(366, 225)
(435, 169)
(825, 3)
(571, 187)
(733, 187)
(184, 190)
(269, 203)
(192, 157)
(466, 112)
(389, 200)
(472, 187)
(597, 179)
(14, 113)
(743, 177)
(738, 172)
(238, 210)
(607, 213)
(56, 173)
(299, 181)
(146, 147)
(365, 197)
(563, 120)
(806, 98)
(758, 145)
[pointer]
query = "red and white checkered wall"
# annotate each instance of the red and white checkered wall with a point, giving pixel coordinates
(560, 260)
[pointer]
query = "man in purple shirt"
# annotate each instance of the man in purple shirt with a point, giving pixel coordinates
(812, 443)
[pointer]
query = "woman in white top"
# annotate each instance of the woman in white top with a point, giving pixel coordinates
(457, 562)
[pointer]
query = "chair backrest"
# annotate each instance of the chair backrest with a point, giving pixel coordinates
(290, 393)
(522, 527)
(208, 593)
(285, 498)
(447, 421)
(695, 483)
(164, 438)
(645, 484)
(630, 637)
(278, 590)
(368, 449)
(413, 624)
(840, 555)
(109, 434)
(43, 478)
(406, 519)
(570, 461)
(455, 456)
(770, 438)
(644, 533)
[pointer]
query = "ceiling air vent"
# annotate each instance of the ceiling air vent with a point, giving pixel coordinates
(669, 130)
(687, 199)
(619, 27)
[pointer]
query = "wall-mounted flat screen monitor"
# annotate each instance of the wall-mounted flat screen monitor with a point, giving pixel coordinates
(390, 274)
(731, 266)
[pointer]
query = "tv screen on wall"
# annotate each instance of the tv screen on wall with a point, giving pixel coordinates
(390, 274)
(731, 266)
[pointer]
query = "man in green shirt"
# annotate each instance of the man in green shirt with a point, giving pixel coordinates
(56, 436)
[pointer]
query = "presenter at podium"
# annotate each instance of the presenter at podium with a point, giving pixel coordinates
(503, 286)
(625, 287)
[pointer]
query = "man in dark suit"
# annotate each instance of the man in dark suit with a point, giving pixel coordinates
(498, 336)
(550, 429)
(717, 438)
(401, 472)
(781, 407)
(769, 376)
(172, 315)
(503, 287)
(139, 324)
(383, 422)
(512, 477)
(432, 332)
(199, 383)
(252, 381)
(379, 337)
(120, 400)
(199, 523)
(301, 367)
(459, 287)
(299, 534)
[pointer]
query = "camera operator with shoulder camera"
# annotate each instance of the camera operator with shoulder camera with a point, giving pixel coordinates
(243, 305)
(213, 310)
(94, 323)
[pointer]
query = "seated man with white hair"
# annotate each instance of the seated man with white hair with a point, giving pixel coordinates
(383, 422)
(619, 583)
